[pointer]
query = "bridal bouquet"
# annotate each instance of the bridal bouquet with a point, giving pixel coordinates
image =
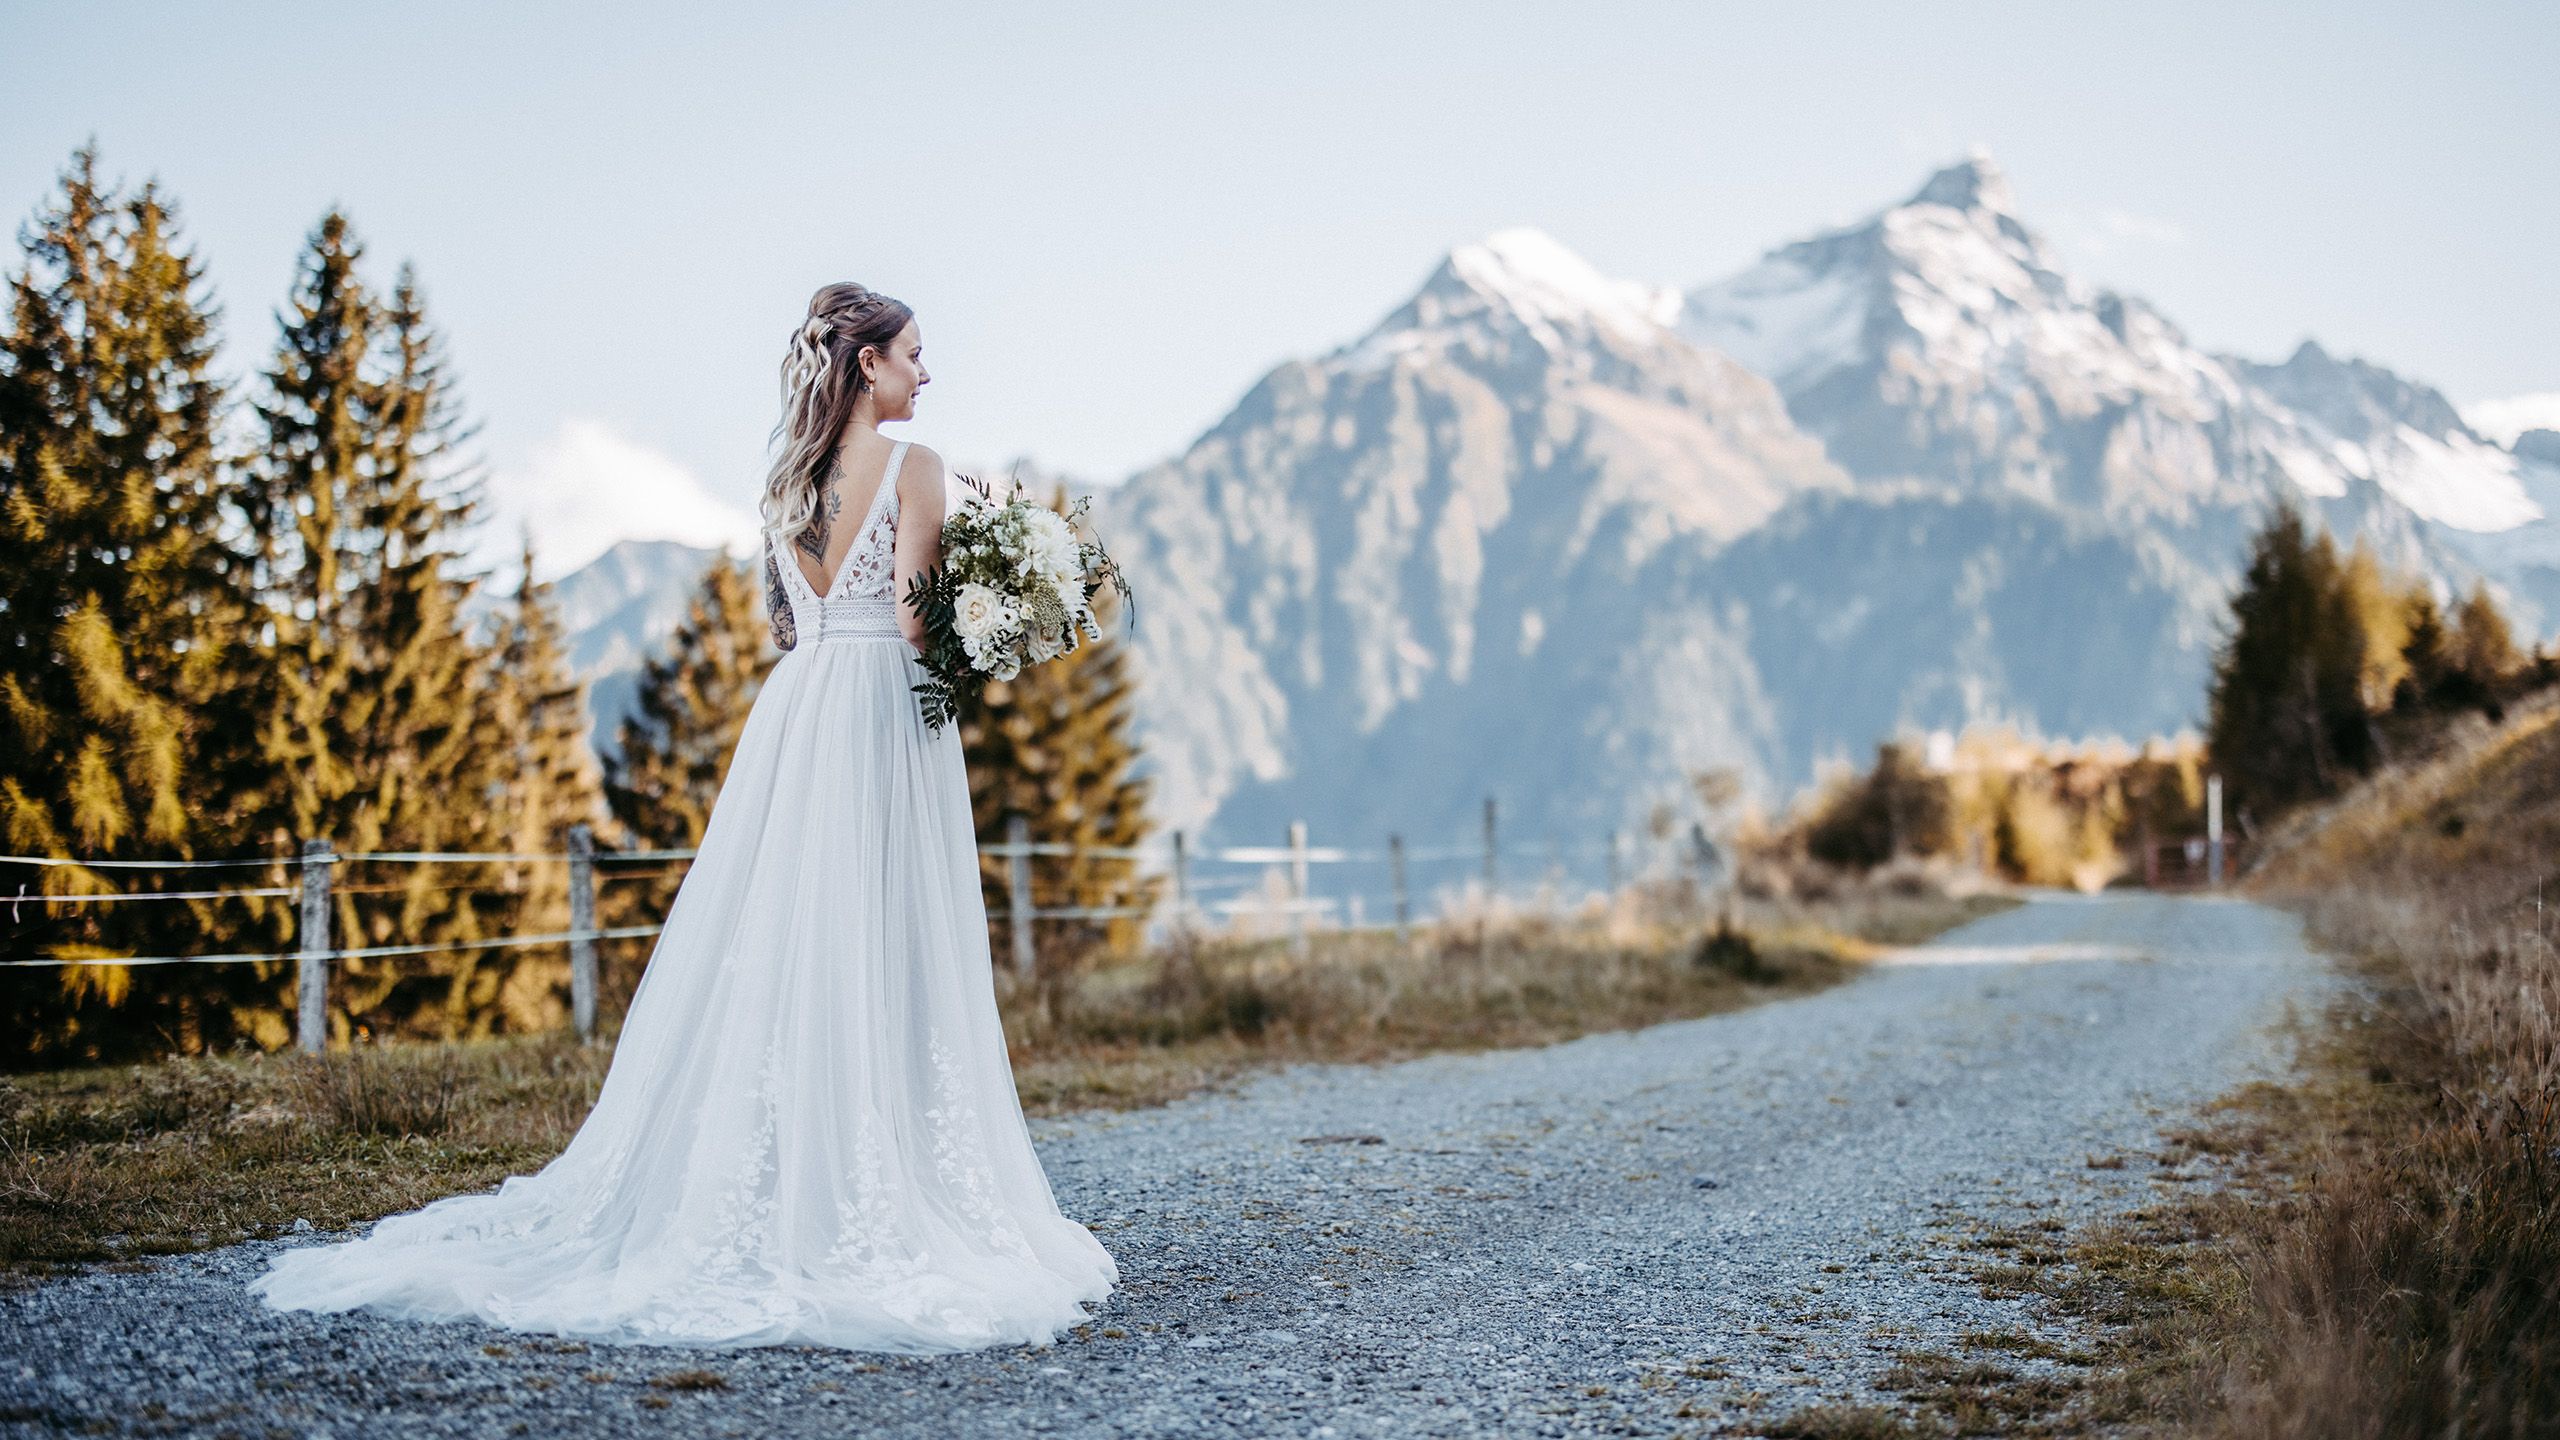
(1014, 588)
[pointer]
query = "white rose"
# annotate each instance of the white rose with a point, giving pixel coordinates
(1048, 642)
(979, 611)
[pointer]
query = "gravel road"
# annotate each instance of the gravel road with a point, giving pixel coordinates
(1732, 1216)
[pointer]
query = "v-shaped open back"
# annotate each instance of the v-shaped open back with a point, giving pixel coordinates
(866, 559)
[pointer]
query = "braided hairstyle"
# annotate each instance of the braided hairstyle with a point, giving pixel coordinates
(821, 375)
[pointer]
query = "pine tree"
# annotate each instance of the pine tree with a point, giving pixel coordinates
(304, 504)
(1053, 745)
(2483, 648)
(2288, 721)
(430, 779)
(2381, 609)
(536, 722)
(124, 606)
(675, 746)
(2425, 653)
(361, 494)
(2465, 664)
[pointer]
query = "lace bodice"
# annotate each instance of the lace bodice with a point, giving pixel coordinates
(861, 601)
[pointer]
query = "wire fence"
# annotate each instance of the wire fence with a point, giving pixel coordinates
(1192, 901)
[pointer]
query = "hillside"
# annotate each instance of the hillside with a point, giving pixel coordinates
(2383, 1267)
(1569, 539)
(2477, 825)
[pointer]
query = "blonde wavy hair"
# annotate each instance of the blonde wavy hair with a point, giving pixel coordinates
(821, 376)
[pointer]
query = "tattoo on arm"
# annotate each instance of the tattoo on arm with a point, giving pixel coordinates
(777, 603)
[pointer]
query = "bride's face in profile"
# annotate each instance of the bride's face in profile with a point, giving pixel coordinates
(897, 375)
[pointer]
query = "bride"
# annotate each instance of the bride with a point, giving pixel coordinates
(809, 1133)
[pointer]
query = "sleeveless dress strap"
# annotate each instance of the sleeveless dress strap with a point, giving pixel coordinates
(889, 477)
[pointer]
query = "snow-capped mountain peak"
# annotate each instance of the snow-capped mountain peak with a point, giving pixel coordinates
(1942, 338)
(1944, 273)
(1518, 282)
(1539, 279)
(1973, 183)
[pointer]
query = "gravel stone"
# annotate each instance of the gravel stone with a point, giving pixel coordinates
(1735, 1216)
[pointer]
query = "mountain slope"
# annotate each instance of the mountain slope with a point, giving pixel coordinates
(1568, 540)
(1478, 499)
(1545, 533)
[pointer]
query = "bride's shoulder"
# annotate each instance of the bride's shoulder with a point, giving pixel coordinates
(922, 463)
(921, 480)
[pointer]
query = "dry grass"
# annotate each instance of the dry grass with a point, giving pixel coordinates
(149, 1159)
(1850, 1422)
(1143, 1031)
(112, 1164)
(2382, 1257)
(2407, 1281)
(2382, 1260)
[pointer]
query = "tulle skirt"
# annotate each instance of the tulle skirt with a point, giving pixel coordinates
(809, 1133)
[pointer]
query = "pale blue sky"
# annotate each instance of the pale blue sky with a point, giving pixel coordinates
(1113, 218)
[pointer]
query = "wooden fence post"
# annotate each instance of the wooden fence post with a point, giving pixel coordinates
(582, 929)
(311, 992)
(1181, 892)
(1298, 888)
(1484, 922)
(1017, 838)
(1395, 875)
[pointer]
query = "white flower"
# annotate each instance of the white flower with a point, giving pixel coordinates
(986, 650)
(1048, 547)
(1049, 524)
(978, 612)
(1048, 642)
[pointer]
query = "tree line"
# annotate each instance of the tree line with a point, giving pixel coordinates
(2032, 812)
(2332, 667)
(2328, 666)
(237, 613)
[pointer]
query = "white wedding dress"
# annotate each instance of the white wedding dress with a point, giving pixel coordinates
(809, 1133)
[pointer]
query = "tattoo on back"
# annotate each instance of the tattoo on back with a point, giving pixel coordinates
(812, 540)
(813, 536)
